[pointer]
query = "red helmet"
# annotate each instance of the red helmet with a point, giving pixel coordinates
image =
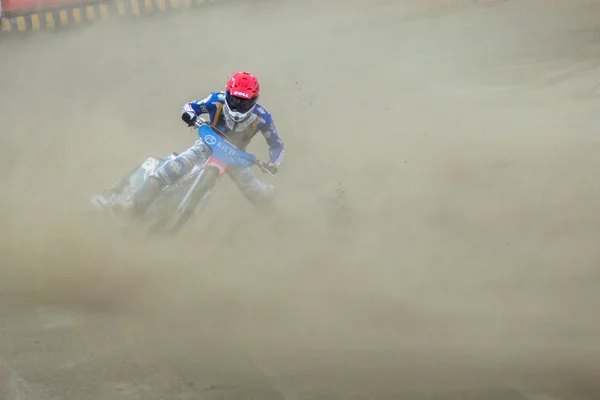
(241, 95)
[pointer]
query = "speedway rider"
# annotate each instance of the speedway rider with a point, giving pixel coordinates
(237, 114)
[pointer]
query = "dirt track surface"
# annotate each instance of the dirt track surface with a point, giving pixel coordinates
(437, 225)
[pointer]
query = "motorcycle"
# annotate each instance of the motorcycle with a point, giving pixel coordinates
(174, 206)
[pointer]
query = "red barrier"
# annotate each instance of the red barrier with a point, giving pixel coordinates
(16, 6)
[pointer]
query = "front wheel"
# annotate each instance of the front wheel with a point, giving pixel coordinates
(199, 197)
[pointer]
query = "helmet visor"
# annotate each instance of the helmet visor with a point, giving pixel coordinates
(239, 104)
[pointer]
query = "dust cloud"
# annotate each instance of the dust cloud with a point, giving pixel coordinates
(436, 226)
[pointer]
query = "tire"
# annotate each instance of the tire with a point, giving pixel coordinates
(172, 220)
(205, 187)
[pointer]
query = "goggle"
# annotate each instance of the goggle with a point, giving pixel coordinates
(240, 104)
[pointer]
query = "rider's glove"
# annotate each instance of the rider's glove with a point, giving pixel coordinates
(189, 119)
(272, 168)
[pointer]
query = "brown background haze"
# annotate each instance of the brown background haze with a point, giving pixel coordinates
(437, 227)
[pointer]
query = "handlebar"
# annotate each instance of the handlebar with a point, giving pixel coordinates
(201, 121)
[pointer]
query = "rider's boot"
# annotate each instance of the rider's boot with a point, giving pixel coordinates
(144, 195)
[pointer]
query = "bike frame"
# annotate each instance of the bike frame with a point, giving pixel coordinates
(223, 154)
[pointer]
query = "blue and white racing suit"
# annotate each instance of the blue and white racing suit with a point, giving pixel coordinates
(239, 134)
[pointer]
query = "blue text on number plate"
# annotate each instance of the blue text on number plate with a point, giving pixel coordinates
(223, 151)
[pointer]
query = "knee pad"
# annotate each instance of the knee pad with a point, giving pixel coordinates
(253, 189)
(258, 192)
(172, 170)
